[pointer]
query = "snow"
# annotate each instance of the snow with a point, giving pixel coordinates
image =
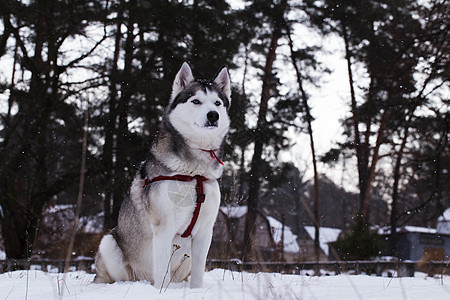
(416, 229)
(445, 216)
(290, 239)
(58, 207)
(91, 224)
(224, 284)
(2, 255)
(233, 211)
(443, 223)
(419, 229)
(326, 235)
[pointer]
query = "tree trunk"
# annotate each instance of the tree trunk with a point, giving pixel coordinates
(120, 173)
(395, 187)
(243, 146)
(23, 207)
(111, 125)
(14, 227)
(38, 93)
(373, 164)
(360, 153)
(366, 173)
(308, 118)
(249, 253)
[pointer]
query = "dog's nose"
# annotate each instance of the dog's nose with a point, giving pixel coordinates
(212, 116)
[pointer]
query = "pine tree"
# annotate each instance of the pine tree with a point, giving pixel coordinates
(383, 37)
(41, 130)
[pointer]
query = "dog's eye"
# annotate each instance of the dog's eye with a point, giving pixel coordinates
(196, 101)
(217, 103)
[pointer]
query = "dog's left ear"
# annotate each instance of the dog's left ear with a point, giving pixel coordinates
(182, 80)
(223, 82)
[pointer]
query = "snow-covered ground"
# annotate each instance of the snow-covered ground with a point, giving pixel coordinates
(224, 284)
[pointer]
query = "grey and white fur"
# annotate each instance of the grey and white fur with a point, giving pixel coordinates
(151, 219)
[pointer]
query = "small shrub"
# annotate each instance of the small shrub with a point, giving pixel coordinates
(360, 243)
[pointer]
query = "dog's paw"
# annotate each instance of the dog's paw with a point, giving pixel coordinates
(196, 285)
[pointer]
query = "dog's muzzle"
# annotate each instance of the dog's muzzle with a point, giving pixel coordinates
(213, 118)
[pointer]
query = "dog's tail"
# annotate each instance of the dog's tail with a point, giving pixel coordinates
(109, 262)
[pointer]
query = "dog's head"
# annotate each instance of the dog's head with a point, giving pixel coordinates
(198, 109)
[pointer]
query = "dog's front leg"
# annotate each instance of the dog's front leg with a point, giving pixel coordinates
(162, 252)
(200, 247)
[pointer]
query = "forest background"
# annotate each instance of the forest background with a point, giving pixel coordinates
(109, 65)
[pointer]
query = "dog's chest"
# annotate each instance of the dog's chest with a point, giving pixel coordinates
(172, 203)
(179, 198)
(179, 194)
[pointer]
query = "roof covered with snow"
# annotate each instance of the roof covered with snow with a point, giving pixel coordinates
(415, 229)
(326, 235)
(233, 211)
(443, 223)
(58, 207)
(419, 229)
(290, 240)
(445, 216)
(92, 224)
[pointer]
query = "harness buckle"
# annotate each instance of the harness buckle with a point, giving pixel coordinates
(200, 198)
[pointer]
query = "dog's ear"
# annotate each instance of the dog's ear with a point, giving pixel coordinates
(183, 78)
(223, 82)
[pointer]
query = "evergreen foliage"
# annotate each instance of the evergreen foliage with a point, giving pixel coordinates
(359, 243)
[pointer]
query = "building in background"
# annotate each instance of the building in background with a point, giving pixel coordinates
(422, 243)
(274, 241)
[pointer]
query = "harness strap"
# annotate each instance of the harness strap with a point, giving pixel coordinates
(213, 154)
(198, 188)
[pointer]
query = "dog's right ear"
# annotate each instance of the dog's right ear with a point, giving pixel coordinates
(182, 80)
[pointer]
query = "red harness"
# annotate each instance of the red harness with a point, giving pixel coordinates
(198, 189)
(213, 155)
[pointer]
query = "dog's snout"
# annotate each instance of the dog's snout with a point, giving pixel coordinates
(212, 116)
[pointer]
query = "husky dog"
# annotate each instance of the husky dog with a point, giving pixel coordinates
(166, 221)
